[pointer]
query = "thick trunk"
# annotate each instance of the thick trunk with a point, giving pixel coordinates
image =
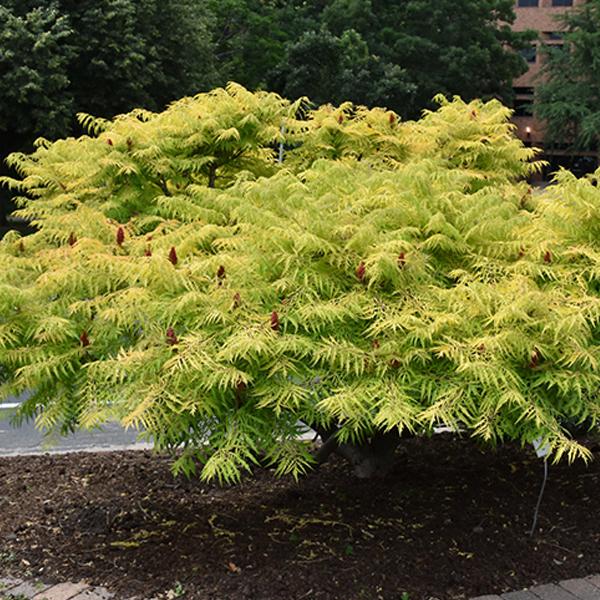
(374, 457)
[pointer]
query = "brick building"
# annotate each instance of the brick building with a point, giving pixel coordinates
(540, 15)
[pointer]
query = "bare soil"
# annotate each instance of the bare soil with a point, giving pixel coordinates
(450, 522)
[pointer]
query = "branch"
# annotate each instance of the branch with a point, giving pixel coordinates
(162, 184)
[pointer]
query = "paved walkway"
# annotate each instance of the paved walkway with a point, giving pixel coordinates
(15, 588)
(587, 588)
(26, 439)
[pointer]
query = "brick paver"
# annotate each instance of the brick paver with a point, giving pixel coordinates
(581, 588)
(587, 588)
(26, 589)
(552, 592)
(521, 595)
(96, 593)
(6, 583)
(594, 580)
(62, 591)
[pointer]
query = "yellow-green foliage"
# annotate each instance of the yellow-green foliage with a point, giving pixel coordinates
(384, 276)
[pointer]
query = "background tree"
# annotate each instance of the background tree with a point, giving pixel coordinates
(367, 288)
(103, 57)
(34, 74)
(569, 93)
(393, 54)
(329, 68)
(249, 38)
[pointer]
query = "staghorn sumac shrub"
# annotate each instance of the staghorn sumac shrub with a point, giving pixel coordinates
(384, 278)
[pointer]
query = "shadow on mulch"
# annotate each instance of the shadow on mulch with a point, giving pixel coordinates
(450, 522)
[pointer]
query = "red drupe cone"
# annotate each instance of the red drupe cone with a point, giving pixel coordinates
(237, 300)
(548, 256)
(120, 236)
(401, 260)
(173, 255)
(274, 321)
(72, 239)
(360, 271)
(84, 339)
(171, 337)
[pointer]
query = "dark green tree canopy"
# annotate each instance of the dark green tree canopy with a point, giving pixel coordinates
(101, 56)
(397, 54)
(108, 56)
(568, 98)
(35, 55)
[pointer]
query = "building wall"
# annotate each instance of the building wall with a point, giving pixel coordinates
(541, 18)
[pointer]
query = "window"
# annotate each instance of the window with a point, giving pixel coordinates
(562, 2)
(555, 48)
(520, 91)
(528, 2)
(554, 35)
(529, 54)
(523, 107)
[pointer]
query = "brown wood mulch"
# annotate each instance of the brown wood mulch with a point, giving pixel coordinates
(450, 522)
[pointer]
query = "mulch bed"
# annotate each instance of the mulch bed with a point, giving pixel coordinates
(450, 522)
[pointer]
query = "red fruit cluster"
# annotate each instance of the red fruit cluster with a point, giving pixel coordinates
(72, 239)
(84, 339)
(340, 119)
(401, 260)
(548, 256)
(360, 271)
(173, 255)
(171, 337)
(120, 236)
(237, 300)
(392, 118)
(148, 251)
(221, 272)
(109, 142)
(274, 321)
